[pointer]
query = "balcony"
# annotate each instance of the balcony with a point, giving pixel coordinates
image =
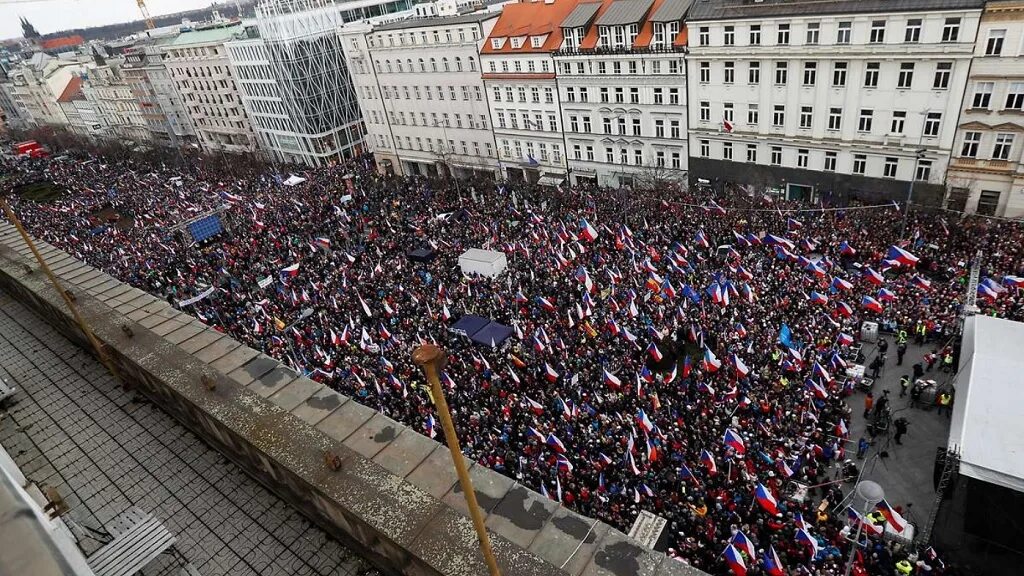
(983, 165)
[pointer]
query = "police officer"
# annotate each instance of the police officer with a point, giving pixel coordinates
(945, 402)
(904, 384)
(904, 567)
(901, 349)
(901, 429)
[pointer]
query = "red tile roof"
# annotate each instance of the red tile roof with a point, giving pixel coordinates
(73, 91)
(530, 19)
(62, 42)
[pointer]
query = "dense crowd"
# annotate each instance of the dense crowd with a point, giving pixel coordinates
(671, 351)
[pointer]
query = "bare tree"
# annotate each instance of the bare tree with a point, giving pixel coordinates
(657, 178)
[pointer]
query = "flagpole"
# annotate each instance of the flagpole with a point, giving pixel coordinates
(430, 358)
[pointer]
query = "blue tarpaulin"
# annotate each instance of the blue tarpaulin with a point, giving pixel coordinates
(470, 324)
(481, 330)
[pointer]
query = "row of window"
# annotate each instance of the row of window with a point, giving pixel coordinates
(585, 153)
(623, 126)
(197, 52)
(877, 32)
(861, 164)
(421, 65)
(426, 93)
(1001, 145)
(437, 146)
(670, 96)
(982, 96)
(517, 66)
(833, 121)
(424, 38)
(618, 67)
(519, 93)
(517, 151)
(523, 120)
(436, 120)
(839, 74)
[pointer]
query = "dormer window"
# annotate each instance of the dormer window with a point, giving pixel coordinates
(517, 42)
(537, 41)
(497, 43)
(665, 33)
(572, 37)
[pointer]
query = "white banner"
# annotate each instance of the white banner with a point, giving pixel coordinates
(265, 282)
(195, 299)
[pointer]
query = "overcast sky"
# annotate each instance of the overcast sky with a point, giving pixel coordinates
(53, 15)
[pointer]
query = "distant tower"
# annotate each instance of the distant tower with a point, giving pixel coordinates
(28, 30)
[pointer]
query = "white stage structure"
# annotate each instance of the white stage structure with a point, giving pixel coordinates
(484, 262)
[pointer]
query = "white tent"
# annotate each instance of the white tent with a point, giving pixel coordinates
(986, 425)
(483, 262)
(294, 180)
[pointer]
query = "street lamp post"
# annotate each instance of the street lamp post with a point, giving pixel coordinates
(919, 154)
(444, 159)
(868, 494)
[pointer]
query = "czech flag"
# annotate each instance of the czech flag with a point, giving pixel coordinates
(612, 381)
(987, 292)
(816, 387)
(923, 283)
(584, 279)
(840, 284)
(846, 250)
(701, 240)
(765, 499)
(710, 363)
(741, 541)
(841, 430)
(714, 208)
(815, 269)
(741, 368)
(709, 461)
(794, 224)
(291, 271)
(869, 303)
(772, 564)
(537, 407)
(563, 464)
(820, 372)
(550, 373)
(545, 304)
(895, 520)
(1013, 281)
(886, 295)
(431, 427)
(735, 561)
(644, 422)
(818, 298)
(874, 277)
(555, 443)
(785, 469)
(858, 518)
(654, 352)
(844, 339)
(733, 440)
(687, 366)
(587, 232)
(772, 240)
(805, 537)
(325, 243)
(902, 256)
(741, 331)
(844, 309)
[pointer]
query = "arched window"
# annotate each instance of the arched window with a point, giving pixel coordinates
(458, 64)
(387, 65)
(433, 65)
(398, 65)
(472, 63)
(444, 62)
(409, 64)
(423, 67)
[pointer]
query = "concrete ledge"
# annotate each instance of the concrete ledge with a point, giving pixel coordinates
(395, 498)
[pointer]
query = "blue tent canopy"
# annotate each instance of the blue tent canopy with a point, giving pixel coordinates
(470, 324)
(481, 330)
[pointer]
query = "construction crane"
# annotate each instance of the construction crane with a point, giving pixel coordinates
(142, 8)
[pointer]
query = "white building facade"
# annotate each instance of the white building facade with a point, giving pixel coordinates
(522, 91)
(422, 98)
(119, 110)
(842, 98)
(198, 64)
(986, 174)
(621, 78)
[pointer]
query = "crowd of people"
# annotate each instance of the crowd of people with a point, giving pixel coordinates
(672, 351)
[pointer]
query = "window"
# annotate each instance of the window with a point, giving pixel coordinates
(752, 116)
(705, 72)
(972, 140)
(752, 153)
(609, 155)
(843, 34)
(658, 97)
(988, 202)
(603, 94)
(535, 95)
(906, 77)
(783, 34)
(810, 73)
(755, 34)
(622, 126)
(779, 115)
(871, 75)
(729, 36)
(982, 94)
(835, 118)
(913, 32)
(705, 148)
(705, 111)
(727, 112)
(839, 74)
(638, 157)
(634, 95)
(574, 123)
(522, 93)
(924, 170)
(889, 169)
(659, 128)
(830, 162)
(776, 155)
(606, 125)
(704, 36)
(806, 117)
(677, 160)
(552, 123)
(673, 96)
(1015, 96)
(932, 123)
(590, 153)
(781, 69)
(899, 117)
(877, 32)
(659, 158)
(951, 30)
(813, 32)
(801, 157)
(730, 72)
(727, 151)
(942, 72)
(864, 124)
(586, 125)
(994, 46)
(1001, 149)
(860, 163)
(549, 95)
(675, 133)
(754, 73)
